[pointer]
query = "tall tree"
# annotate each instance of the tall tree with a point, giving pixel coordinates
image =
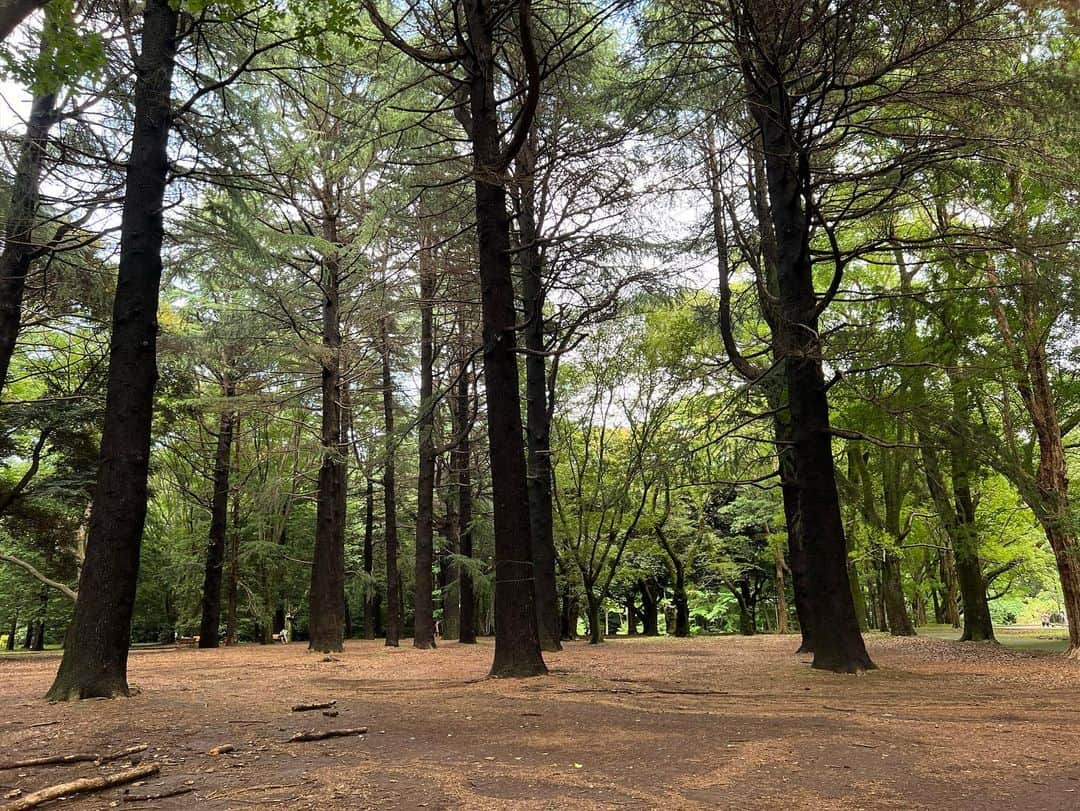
(95, 655)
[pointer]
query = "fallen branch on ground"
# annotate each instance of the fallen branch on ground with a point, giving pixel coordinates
(144, 798)
(50, 760)
(329, 733)
(84, 785)
(323, 705)
(123, 753)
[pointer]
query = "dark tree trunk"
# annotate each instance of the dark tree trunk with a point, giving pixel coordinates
(28, 639)
(423, 605)
(393, 620)
(958, 517)
(461, 462)
(650, 608)
(893, 593)
(219, 519)
(22, 209)
(857, 595)
(837, 643)
(449, 586)
(95, 658)
(569, 619)
(232, 587)
(537, 410)
(326, 620)
(517, 643)
(682, 603)
(631, 613)
(596, 618)
(369, 560)
(13, 629)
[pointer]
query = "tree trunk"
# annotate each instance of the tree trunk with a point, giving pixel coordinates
(650, 609)
(423, 605)
(22, 209)
(594, 607)
(838, 645)
(781, 592)
(95, 658)
(893, 588)
(517, 643)
(631, 613)
(232, 587)
(326, 620)
(13, 629)
(219, 519)
(682, 603)
(461, 461)
(449, 586)
(369, 559)
(857, 595)
(394, 617)
(537, 410)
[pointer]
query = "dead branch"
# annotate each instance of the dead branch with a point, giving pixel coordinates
(82, 786)
(314, 735)
(324, 705)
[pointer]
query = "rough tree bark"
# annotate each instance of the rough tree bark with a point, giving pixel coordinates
(461, 461)
(95, 656)
(326, 620)
(537, 411)
(838, 645)
(219, 520)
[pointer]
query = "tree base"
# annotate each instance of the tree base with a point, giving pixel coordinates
(330, 648)
(423, 644)
(518, 671)
(843, 664)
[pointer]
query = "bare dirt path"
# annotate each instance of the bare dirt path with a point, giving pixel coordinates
(643, 723)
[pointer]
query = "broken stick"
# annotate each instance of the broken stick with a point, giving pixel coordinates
(50, 760)
(123, 753)
(161, 795)
(323, 705)
(86, 784)
(314, 735)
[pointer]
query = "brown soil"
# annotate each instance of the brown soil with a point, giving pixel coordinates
(642, 723)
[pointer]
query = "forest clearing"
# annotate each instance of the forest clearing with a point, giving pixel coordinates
(539, 404)
(704, 723)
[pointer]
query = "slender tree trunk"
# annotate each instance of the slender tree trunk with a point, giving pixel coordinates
(682, 603)
(631, 613)
(781, 592)
(461, 461)
(233, 585)
(369, 559)
(838, 645)
(13, 629)
(219, 519)
(449, 575)
(594, 607)
(423, 605)
(95, 658)
(537, 410)
(394, 619)
(19, 246)
(650, 608)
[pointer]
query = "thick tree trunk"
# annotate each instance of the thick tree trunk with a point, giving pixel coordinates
(326, 620)
(19, 246)
(631, 613)
(394, 617)
(12, 630)
(95, 658)
(570, 613)
(838, 645)
(517, 643)
(682, 603)
(857, 595)
(219, 519)
(538, 413)
(369, 559)
(650, 608)
(423, 605)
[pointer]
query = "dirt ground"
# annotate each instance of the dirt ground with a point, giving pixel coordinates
(641, 723)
